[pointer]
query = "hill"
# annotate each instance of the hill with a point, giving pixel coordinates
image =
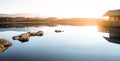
(21, 15)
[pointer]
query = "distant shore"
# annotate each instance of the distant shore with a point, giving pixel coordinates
(22, 21)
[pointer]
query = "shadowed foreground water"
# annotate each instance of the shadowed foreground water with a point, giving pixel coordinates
(76, 43)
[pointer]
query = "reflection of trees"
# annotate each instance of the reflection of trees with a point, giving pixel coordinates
(7, 25)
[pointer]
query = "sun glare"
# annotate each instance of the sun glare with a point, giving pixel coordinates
(60, 8)
(77, 8)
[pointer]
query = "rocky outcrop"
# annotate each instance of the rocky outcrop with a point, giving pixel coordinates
(4, 44)
(22, 37)
(25, 36)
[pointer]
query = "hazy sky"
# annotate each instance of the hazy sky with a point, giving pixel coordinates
(60, 8)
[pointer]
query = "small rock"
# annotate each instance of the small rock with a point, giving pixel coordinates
(39, 33)
(58, 31)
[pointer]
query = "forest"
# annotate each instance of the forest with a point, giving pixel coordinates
(51, 21)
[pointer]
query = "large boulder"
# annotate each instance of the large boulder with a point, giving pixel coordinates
(4, 44)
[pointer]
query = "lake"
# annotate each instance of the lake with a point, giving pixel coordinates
(75, 43)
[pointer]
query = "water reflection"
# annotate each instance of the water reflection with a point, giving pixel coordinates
(22, 25)
(75, 44)
(114, 34)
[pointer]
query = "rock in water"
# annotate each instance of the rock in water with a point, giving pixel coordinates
(58, 31)
(4, 44)
(22, 37)
(39, 33)
(16, 37)
(25, 36)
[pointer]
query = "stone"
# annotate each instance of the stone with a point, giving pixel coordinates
(39, 33)
(58, 31)
(4, 44)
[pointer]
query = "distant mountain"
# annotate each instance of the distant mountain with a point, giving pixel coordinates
(21, 15)
(5, 15)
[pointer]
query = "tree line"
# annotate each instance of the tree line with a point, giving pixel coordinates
(51, 20)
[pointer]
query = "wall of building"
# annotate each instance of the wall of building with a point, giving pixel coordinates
(114, 18)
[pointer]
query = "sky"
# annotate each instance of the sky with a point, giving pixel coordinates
(60, 8)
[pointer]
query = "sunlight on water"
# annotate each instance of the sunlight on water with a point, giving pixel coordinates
(74, 43)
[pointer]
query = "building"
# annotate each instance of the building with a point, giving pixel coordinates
(113, 20)
(114, 15)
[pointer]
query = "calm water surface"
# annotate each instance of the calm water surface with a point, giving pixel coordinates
(76, 43)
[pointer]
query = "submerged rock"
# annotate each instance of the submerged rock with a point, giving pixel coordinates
(4, 44)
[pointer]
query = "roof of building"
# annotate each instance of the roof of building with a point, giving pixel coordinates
(112, 13)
